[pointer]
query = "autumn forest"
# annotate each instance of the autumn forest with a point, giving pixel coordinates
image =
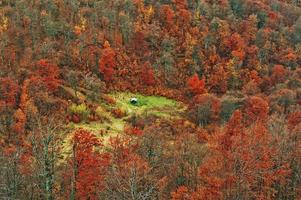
(150, 99)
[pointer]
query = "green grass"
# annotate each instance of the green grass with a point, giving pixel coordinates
(156, 105)
(147, 105)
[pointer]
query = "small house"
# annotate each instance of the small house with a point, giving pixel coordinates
(134, 101)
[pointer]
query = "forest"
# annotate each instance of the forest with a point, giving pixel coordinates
(150, 99)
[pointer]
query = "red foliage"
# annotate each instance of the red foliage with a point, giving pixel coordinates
(195, 85)
(273, 16)
(279, 74)
(235, 49)
(240, 155)
(75, 119)
(8, 92)
(180, 4)
(234, 128)
(218, 80)
(147, 75)
(184, 17)
(107, 62)
(89, 165)
(294, 119)
(21, 158)
(139, 44)
(234, 42)
(168, 15)
(240, 54)
(133, 131)
(48, 74)
(202, 136)
(118, 113)
(257, 109)
(25, 167)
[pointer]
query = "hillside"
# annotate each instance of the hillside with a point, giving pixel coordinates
(215, 88)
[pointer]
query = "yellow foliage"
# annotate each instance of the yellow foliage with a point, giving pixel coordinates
(106, 44)
(3, 23)
(44, 13)
(231, 67)
(197, 16)
(81, 27)
(149, 11)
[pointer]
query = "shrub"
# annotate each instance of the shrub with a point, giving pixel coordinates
(118, 113)
(108, 100)
(80, 110)
(100, 111)
(133, 131)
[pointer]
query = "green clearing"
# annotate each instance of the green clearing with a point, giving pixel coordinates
(156, 105)
(147, 105)
(111, 127)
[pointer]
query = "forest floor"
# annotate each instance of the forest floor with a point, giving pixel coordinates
(147, 106)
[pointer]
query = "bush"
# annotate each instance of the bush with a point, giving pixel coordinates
(80, 110)
(118, 113)
(133, 131)
(108, 100)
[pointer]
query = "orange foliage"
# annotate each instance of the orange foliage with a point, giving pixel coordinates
(240, 54)
(20, 119)
(109, 100)
(180, 194)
